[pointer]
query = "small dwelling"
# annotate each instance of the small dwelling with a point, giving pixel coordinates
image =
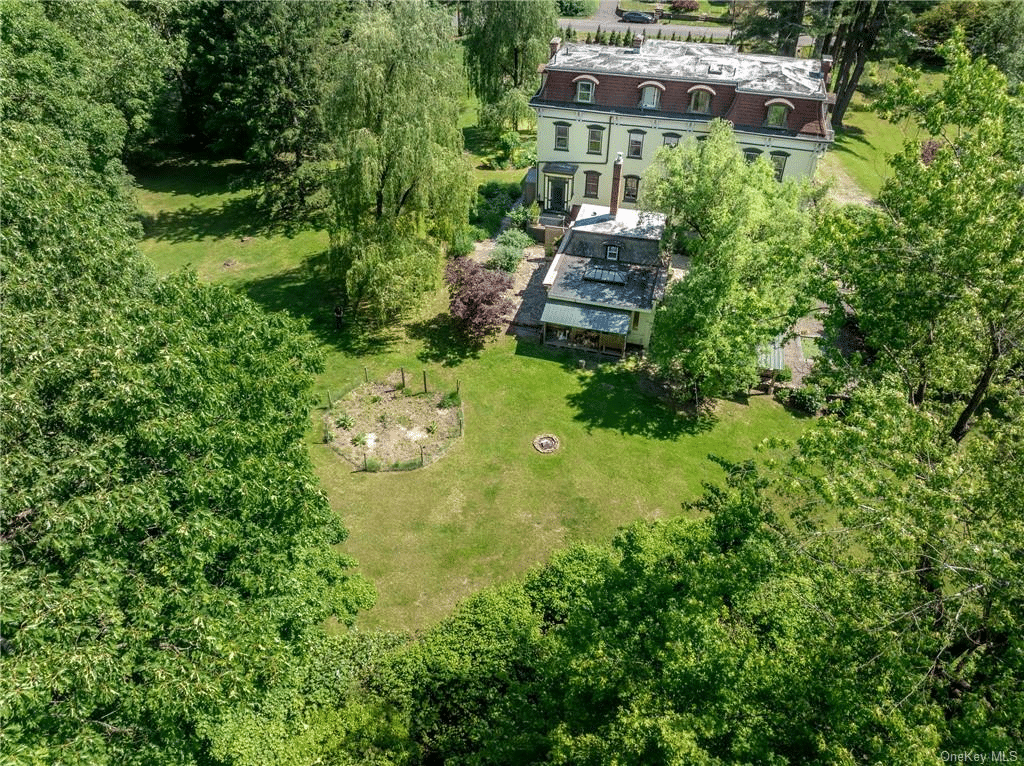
(606, 281)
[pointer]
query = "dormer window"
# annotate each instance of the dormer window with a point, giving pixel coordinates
(612, 252)
(586, 87)
(778, 113)
(700, 102)
(650, 94)
(700, 99)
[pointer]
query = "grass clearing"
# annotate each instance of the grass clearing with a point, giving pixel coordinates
(493, 506)
(867, 141)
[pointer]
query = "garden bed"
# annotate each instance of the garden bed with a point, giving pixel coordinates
(390, 427)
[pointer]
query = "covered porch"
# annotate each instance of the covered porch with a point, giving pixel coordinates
(574, 325)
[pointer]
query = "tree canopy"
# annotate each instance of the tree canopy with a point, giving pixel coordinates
(931, 279)
(747, 238)
(505, 42)
(399, 185)
(166, 552)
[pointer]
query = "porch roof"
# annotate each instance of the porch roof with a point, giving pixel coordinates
(586, 317)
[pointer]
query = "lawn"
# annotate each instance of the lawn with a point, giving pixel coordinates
(867, 141)
(493, 506)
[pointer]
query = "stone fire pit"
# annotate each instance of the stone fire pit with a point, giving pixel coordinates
(546, 443)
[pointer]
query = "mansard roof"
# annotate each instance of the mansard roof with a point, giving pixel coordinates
(665, 59)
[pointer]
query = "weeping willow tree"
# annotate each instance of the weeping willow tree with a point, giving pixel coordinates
(400, 186)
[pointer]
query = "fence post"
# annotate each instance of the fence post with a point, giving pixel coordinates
(366, 375)
(421, 456)
(364, 461)
(424, 381)
(458, 386)
(403, 376)
(329, 402)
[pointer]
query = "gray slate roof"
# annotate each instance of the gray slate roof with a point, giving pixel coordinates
(665, 59)
(637, 293)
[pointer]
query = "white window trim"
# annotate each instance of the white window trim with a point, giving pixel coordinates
(611, 252)
(593, 89)
(784, 102)
(701, 87)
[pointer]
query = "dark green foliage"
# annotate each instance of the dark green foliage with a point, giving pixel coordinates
(493, 201)
(166, 551)
(576, 8)
(809, 399)
(449, 400)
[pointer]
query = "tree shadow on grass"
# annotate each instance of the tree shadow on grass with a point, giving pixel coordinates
(308, 294)
(194, 177)
(614, 397)
(239, 217)
(443, 343)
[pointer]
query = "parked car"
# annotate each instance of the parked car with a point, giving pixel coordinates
(637, 17)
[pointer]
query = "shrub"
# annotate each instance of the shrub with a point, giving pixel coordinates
(372, 465)
(405, 465)
(808, 399)
(521, 216)
(345, 421)
(449, 400)
(784, 375)
(477, 301)
(359, 440)
(514, 238)
(432, 427)
(462, 243)
(505, 259)
(493, 201)
(685, 6)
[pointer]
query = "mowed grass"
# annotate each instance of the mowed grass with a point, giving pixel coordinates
(867, 141)
(494, 506)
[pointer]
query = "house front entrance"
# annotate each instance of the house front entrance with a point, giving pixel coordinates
(558, 194)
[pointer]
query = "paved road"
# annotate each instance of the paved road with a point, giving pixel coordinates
(609, 22)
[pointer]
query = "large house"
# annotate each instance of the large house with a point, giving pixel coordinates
(606, 280)
(596, 102)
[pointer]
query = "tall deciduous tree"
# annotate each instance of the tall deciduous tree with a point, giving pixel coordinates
(506, 40)
(399, 185)
(166, 552)
(933, 277)
(747, 237)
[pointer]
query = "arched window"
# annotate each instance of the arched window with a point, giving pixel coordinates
(700, 99)
(650, 94)
(671, 139)
(586, 88)
(750, 154)
(778, 113)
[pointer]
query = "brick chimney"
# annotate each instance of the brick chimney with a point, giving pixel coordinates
(616, 182)
(638, 41)
(553, 46)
